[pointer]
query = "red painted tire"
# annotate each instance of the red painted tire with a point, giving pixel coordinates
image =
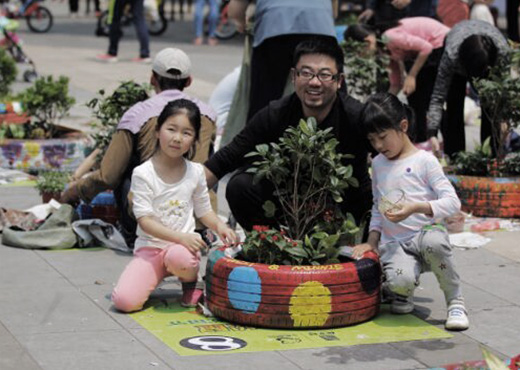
(293, 296)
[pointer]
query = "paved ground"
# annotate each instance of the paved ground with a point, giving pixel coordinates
(54, 307)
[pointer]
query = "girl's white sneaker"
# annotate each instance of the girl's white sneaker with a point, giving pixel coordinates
(457, 317)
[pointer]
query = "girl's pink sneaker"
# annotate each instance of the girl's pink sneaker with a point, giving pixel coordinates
(191, 296)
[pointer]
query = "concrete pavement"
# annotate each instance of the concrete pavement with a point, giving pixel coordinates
(55, 311)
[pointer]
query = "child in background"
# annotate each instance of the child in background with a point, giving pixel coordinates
(166, 191)
(407, 237)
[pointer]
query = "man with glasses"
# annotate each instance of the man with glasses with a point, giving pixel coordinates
(317, 76)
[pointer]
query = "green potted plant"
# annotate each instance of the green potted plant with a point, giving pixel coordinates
(39, 142)
(50, 184)
(47, 101)
(487, 180)
(365, 74)
(294, 276)
(8, 73)
(108, 110)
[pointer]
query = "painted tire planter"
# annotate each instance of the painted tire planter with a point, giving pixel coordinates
(36, 155)
(488, 196)
(275, 296)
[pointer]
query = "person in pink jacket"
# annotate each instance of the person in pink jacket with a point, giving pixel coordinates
(415, 45)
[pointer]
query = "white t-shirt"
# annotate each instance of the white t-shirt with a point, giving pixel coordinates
(421, 178)
(173, 205)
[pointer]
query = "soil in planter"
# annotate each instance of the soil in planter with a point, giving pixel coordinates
(46, 197)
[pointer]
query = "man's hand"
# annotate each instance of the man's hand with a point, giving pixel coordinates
(365, 15)
(192, 241)
(436, 147)
(70, 194)
(409, 85)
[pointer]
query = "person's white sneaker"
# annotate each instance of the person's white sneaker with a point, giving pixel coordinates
(457, 317)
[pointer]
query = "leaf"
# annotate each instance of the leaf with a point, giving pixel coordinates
(319, 235)
(304, 127)
(493, 361)
(297, 251)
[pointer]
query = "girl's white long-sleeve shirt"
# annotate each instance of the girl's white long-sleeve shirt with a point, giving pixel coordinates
(173, 205)
(422, 179)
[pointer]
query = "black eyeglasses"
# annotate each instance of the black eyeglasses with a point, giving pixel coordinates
(322, 76)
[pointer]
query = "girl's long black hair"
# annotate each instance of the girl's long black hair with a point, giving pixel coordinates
(384, 111)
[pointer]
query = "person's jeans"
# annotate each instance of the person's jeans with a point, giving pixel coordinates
(212, 17)
(140, 26)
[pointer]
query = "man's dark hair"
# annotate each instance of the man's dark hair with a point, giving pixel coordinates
(324, 45)
(477, 54)
(171, 83)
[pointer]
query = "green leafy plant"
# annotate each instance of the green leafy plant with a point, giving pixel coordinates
(365, 74)
(309, 180)
(52, 181)
(47, 101)
(8, 72)
(108, 110)
(473, 163)
(511, 164)
(500, 93)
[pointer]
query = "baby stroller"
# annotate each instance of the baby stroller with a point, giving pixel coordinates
(11, 43)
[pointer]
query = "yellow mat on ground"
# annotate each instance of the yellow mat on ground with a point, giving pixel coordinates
(189, 333)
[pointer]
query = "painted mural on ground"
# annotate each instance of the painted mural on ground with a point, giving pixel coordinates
(189, 333)
(64, 154)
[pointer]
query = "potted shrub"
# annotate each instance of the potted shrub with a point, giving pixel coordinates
(46, 102)
(294, 276)
(42, 144)
(108, 110)
(487, 180)
(50, 184)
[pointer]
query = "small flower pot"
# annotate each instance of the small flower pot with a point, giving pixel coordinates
(272, 296)
(47, 196)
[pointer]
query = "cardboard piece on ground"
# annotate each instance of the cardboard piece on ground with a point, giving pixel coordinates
(189, 333)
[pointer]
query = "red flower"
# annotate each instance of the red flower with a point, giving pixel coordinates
(262, 236)
(275, 238)
(295, 244)
(260, 228)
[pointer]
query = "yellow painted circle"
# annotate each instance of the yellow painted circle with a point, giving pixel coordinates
(310, 304)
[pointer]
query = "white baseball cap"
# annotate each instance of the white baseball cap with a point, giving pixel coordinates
(172, 58)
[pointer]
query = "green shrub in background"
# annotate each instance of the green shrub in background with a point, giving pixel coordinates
(52, 181)
(47, 101)
(108, 110)
(8, 72)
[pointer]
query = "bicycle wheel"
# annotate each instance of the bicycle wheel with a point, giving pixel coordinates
(156, 25)
(39, 20)
(226, 29)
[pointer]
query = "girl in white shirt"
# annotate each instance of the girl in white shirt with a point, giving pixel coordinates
(406, 234)
(166, 192)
